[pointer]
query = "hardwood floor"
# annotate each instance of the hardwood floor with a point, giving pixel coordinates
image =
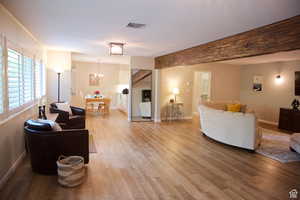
(173, 160)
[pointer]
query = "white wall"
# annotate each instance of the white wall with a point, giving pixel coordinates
(141, 62)
(11, 130)
(268, 102)
(224, 84)
(58, 60)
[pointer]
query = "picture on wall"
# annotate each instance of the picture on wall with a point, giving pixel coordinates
(258, 83)
(94, 80)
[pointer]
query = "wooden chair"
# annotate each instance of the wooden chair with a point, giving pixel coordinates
(104, 107)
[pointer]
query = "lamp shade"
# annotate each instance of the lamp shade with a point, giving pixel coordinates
(175, 91)
(279, 79)
(59, 70)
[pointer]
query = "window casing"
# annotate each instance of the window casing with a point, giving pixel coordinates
(14, 79)
(38, 80)
(22, 80)
(1, 80)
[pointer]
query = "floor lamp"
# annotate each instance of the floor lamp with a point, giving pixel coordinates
(59, 72)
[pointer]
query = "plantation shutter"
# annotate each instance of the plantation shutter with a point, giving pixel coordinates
(14, 73)
(28, 79)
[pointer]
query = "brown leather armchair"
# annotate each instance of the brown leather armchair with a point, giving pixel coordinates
(45, 145)
(74, 120)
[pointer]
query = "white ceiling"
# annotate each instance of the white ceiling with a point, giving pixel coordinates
(124, 60)
(87, 26)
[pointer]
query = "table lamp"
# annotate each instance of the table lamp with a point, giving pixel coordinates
(175, 92)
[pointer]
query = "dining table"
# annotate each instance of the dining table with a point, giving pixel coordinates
(104, 102)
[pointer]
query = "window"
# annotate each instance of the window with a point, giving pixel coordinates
(40, 79)
(1, 80)
(28, 79)
(14, 71)
(21, 79)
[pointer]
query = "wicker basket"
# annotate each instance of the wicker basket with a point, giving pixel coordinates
(70, 170)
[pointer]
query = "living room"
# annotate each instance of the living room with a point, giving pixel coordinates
(149, 106)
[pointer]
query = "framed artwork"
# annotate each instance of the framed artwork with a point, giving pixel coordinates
(258, 83)
(94, 80)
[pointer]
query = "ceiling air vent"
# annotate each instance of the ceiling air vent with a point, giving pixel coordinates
(135, 25)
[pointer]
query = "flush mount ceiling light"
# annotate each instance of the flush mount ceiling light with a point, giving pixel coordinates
(116, 48)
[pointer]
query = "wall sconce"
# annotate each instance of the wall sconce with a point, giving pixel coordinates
(279, 79)
(175, 91)
(116, 48)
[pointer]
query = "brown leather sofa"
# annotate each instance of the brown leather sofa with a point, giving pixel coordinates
(45, 145)
(74, 120)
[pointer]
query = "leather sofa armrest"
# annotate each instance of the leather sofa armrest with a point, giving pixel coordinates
(76, 142)
(77, 111)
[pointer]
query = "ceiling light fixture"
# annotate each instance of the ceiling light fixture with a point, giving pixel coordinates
(116, 48)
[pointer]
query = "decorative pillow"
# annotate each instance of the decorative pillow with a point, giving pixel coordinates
(54, 126)
(234, 107)
(64, 107)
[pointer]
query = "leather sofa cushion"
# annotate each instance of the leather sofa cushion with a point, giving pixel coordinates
(55, 126)
(38, 126)
(43, 125)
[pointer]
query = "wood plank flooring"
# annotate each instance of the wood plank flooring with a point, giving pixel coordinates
(148, 161)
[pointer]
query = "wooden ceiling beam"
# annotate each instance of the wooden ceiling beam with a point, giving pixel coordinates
(276, 37)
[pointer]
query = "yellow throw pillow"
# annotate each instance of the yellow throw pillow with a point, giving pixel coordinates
(234, 107)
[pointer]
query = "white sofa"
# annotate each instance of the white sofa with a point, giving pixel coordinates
(237, 129)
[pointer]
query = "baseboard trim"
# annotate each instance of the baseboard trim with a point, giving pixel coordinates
(12, 170)
(268, 122)
(157, 120)
(174, 119)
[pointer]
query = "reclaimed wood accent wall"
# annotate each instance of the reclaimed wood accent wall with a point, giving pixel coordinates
(280, 36)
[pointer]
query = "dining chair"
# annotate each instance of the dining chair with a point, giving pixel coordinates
(104, 106)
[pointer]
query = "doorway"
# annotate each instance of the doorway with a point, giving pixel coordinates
(202, 88)
(141, 95)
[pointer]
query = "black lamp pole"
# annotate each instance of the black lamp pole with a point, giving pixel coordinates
(58, 87)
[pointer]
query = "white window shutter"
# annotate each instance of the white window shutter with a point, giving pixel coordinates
(14, 72)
